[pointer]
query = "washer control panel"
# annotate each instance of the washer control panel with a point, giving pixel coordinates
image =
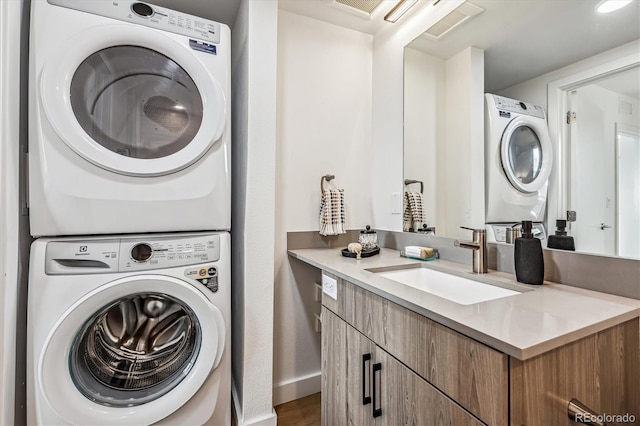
(149, 15)
(142, 253)
(512, 105)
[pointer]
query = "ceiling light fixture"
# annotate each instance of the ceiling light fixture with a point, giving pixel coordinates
(400, 9)
(608, 6)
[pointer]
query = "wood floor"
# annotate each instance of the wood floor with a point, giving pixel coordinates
(301, 412)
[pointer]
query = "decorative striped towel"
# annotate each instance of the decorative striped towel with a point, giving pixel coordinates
(332, 212)
(413, 216)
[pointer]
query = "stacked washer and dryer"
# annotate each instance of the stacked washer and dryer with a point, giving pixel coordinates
(130, 201)
(518, 161)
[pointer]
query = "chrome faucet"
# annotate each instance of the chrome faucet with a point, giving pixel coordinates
(479, 247)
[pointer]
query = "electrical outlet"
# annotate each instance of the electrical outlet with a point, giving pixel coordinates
(330, 286)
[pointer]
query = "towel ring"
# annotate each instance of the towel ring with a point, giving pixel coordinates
(327, 178)
(410, 181)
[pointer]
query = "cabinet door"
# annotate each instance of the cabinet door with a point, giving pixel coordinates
(404, 398)
(360, 359)
(334, 369)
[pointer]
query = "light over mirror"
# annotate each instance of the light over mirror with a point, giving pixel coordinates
(516, 49)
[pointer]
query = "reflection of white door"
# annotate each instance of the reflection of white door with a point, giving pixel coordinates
(591, 164)
(628, 190)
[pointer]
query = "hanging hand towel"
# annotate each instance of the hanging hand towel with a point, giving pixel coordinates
(332, 212)
(413, 216)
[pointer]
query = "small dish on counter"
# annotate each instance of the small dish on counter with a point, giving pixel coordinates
(363, 253)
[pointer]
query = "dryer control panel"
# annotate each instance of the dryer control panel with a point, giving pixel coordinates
(109, 255)
(519, 107)
(149, 15)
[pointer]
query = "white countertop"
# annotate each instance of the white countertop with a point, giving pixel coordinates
(524, 325)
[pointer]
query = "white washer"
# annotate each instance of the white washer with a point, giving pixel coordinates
(129, 124)
(129, 330)
(518, 160)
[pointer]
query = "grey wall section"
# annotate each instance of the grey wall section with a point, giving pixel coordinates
(14, 229)
(24, 237)
(253, 208)
(10, 72)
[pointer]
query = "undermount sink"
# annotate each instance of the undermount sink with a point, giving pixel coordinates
(455, 288)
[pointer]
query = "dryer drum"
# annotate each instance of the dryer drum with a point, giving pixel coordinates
(135, 350)
(136, 102)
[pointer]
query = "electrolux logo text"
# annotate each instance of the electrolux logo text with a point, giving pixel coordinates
(83, 251)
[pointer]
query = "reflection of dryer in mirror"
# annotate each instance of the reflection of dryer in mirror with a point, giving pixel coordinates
(518, 160)
(129, 119)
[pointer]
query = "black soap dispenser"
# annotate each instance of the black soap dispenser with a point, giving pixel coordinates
(561, 240)
(528, 259)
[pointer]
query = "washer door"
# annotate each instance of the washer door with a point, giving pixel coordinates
(132, 100)
(526, 154)
(132, 351)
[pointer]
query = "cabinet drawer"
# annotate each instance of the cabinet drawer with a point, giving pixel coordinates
(408, 399)
(469, 372)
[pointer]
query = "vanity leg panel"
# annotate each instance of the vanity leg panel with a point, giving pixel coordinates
(334, 369)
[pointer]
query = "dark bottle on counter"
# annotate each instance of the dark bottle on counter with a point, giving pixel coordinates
(561, 240)
(529, 263)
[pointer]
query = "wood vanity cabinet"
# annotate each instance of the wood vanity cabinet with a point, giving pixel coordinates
(363, 385)
(379, 355)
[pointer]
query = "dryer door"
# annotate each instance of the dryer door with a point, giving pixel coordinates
(526, 154)
(132, 351)
(132, 100)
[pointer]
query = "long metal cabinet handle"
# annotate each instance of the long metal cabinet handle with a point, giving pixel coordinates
(580, 413)
(377, 412)
(366, 399)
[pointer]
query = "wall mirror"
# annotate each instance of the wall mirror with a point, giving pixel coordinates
(511, 45)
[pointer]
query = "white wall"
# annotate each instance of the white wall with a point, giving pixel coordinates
(253, 210)
(388, 46)
(323, 127)
(10, 17)
(461, 179)
(444, 137)
(424, 96)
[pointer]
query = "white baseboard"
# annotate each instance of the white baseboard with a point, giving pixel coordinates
(296, 388)
(238, 419)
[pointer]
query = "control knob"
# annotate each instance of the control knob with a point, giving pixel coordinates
(141, 252)
(142, 9)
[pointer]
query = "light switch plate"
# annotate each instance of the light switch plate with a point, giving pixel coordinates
(396, 203)
(330, 286)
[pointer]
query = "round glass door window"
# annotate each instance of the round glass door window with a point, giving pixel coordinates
(135, 350)
(136, 102)
(524, 155)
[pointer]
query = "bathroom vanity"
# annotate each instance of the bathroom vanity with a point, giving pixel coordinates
(401, 352)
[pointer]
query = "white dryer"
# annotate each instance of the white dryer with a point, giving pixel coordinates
(129, 124)
(129, 330)
(518, 160)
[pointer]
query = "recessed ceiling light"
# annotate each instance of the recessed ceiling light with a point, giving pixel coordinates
(400, 9)
(611, 5)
